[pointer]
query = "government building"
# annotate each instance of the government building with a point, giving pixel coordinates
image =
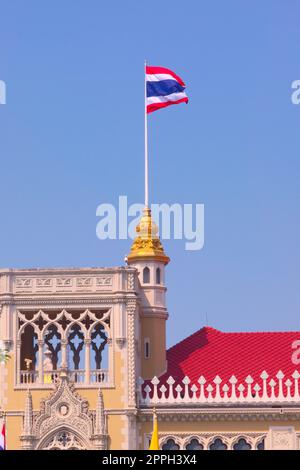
(88, 364)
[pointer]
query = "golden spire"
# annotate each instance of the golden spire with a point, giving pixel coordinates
(147, 245)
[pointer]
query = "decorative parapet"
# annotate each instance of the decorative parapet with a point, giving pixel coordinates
(279, 389)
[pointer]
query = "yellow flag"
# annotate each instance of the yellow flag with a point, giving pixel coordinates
(154, 444)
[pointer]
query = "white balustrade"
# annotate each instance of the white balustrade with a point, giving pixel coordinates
(99, 376)
(77, 376)
(268, 390)
(28, 376)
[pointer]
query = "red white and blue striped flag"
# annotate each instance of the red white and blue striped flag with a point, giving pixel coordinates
(163, 88)
(2, 438)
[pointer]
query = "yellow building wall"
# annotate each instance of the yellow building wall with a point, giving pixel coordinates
(154, 328)
(112, 400)
(215, 427)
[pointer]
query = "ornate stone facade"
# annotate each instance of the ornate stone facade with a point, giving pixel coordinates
(88, 358)
(64, 421)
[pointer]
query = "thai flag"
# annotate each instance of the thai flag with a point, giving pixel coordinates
(163, 88)
(2, 438)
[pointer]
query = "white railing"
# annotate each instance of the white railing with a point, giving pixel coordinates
(28, 376)
(99, 376)
(77, 376)
(265, 390)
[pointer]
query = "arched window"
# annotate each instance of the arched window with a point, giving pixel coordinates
(76, 347)
(158, 276)
(261, 445)
(99, 354)
(218, 444)
(170, 445)
(28, 359)
(242, 444)
(194, 445)
(146, 275)
(52, 348)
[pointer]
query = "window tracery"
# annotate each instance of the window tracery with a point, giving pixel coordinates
(194, 444)
(76, 340)
(242, 444)
(209, 441)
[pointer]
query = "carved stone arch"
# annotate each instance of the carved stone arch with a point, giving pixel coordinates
(178, 441)
(99, 350)
(105, 326)
(55, 323)
(63, 438)
(28, 340)
(186, 441)
(71, 324)
(261, 440)
(22, 328)
(76, 350)
(223, 438)
(236, 439)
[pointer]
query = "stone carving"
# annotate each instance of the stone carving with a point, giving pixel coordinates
(131, 308)
(104, 281)
(44, 282)
(64, 421)
(281, 438)
(65, 441)
(64, 282)
(84, 282)
(130, 281)
(24, 282)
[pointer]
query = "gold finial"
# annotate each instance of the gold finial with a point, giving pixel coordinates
(147, 244)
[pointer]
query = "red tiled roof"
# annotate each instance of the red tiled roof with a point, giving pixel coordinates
(211, 352)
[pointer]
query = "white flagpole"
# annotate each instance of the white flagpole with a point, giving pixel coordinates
(146, 145)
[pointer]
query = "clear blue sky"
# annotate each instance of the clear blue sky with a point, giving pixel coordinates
(71, 137)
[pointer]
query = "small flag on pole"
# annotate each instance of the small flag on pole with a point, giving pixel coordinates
(2, 438)
(154, 444)
(163, 88)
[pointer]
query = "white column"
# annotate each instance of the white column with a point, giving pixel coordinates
(87, 344)
(18, 361)
(40, 361)
(64, 358)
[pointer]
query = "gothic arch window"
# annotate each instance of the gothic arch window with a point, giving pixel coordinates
(51, 348)
(28, 353)
(75, 347)
(170, 444)
(99, 353)
(241, 444)
(194, 444)
(74, 339)
(217, 444)
(146, 275)
(158, 276)
(261, 445)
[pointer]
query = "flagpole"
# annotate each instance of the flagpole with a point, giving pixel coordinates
(146, 145)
